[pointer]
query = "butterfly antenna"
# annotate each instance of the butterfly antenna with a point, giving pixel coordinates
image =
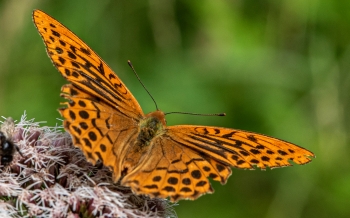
(132, 67)
(219, 114)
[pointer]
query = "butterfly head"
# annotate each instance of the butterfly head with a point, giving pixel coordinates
(159, 115)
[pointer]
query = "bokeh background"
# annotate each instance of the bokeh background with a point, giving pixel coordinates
(279, 68)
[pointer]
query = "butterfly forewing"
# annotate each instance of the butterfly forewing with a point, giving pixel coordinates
(107, 124)
(95, 127)
(83, 67)
(238, 148)
(101, 111)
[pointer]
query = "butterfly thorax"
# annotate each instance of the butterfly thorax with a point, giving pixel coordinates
(150, 127)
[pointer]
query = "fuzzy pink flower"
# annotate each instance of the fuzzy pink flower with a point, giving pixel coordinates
(49, 177)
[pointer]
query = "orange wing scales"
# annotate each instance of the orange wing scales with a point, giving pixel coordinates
(107, 123)
(175, 171)
(92, 124)
(83, 67)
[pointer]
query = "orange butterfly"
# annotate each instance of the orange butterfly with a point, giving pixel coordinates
(107, 124)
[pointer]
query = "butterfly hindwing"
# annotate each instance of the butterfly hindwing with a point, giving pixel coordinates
(175, 171)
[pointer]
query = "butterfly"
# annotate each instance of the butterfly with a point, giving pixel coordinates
(107, 123)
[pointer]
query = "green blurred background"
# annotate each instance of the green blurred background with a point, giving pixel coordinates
(279, 68)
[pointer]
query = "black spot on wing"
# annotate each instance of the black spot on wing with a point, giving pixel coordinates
(252, 138)
(55, 33)
(156, 178)
(186, 181)
(173, 180)
(228, 135)
(85, 51)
